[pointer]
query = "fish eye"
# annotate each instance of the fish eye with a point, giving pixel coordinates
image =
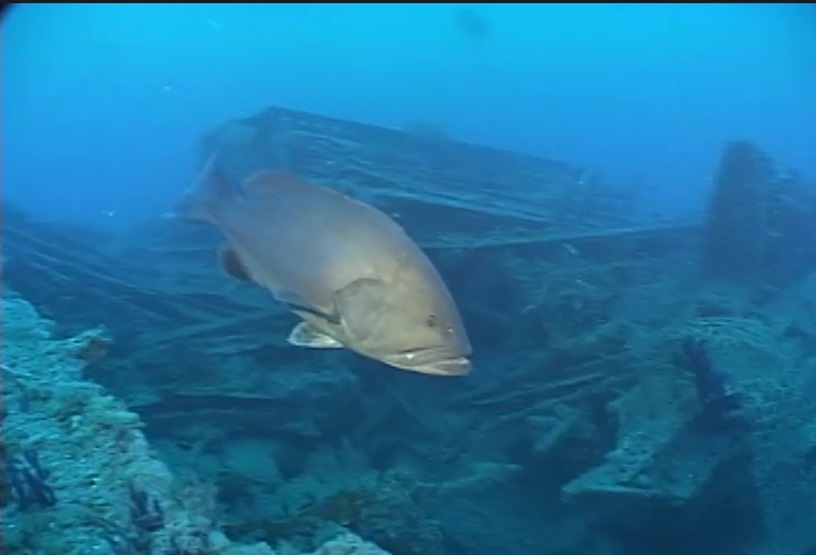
(431, 321)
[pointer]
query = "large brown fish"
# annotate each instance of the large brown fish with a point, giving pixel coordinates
(345, 268)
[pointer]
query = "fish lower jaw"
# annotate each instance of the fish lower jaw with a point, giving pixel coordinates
(453, 367)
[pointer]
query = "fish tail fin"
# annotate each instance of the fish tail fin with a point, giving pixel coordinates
(203, 200)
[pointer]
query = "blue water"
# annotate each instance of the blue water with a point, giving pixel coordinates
(103, 104)
(634, 391)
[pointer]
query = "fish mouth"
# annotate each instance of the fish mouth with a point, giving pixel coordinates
(457, 366)
(433, 366)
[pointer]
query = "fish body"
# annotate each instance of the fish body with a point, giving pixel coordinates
(351, 274)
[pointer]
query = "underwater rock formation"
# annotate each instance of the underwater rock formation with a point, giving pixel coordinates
(80, 476)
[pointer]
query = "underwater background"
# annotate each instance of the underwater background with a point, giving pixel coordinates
(621, 199)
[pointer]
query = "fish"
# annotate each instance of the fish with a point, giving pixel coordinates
(350, 273)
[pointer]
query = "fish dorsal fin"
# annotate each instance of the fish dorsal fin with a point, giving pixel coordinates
(360, 305)
(306, 335)
(273, 182)
(232, 264)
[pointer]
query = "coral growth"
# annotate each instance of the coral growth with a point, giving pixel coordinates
(80, 476)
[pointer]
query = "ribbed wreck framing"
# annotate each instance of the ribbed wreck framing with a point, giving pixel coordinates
(657, 398)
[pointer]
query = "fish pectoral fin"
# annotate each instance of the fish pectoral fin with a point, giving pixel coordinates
(305, 335)
(360, 306)
(296, 303)
(232, 264)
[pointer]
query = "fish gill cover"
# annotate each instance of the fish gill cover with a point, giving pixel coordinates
(644, 375)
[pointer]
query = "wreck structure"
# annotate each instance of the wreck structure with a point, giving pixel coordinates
(630, 375)
(757, 220)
